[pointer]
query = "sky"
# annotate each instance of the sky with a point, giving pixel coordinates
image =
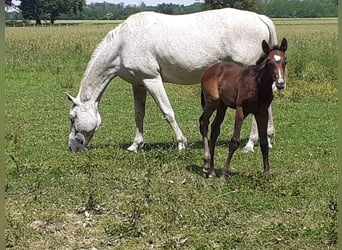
(138, 2)
(147, 2)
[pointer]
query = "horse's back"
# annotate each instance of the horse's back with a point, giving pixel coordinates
(180, 47)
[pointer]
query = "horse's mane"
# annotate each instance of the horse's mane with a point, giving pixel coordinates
(111, 35)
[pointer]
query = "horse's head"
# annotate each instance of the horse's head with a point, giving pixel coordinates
(85, 120)
(276, 60)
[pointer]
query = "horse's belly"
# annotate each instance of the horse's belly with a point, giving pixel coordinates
(180, 76)
(186, 67)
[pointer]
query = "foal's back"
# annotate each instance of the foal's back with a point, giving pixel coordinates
(229, 82)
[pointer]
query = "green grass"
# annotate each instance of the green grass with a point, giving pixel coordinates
(305, 21)
(108, 198)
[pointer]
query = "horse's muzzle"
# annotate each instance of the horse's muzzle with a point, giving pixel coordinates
(77, 143)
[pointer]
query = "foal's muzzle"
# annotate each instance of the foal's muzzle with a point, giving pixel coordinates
(280, 84)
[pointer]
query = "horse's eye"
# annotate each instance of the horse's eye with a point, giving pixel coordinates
(285, 61)
(79, 140)
(72, 118)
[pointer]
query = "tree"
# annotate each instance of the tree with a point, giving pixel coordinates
(166, 8)
(49, 9)
(8, 3)
(298, 8)
(31, 9)
(109, 16)
(238, 4)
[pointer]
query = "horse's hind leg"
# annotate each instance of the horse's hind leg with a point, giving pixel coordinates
(270, 127)
(139, 93)
(254, 136)
(156, 89)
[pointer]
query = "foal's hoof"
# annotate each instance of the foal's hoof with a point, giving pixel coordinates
(208, 174)
(267, 171)
(223, 177)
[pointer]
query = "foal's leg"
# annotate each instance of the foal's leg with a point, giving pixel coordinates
(235, 140)
(215, 131)
(208, 167)
(262, 120)
(139, 93)
(156, 88)
(254, 136)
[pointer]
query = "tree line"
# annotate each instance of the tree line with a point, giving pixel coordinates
(51, 10)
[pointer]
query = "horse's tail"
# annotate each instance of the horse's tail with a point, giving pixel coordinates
(271, 28)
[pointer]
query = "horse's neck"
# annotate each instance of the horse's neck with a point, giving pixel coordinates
(93, 85)
(101, 69)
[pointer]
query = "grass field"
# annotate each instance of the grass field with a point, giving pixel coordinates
(107, 198)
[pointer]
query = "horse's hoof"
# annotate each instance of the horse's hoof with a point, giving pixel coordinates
(181, 146)
(132, 148)
(135, 147)
(248, 149)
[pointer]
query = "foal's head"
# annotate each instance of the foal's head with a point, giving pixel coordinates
(276, 61)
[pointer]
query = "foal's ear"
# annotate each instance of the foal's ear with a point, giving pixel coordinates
(283, 45)
(265, 47)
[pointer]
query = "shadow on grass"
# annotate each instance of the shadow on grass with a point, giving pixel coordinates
(195, 169)
(167, 146)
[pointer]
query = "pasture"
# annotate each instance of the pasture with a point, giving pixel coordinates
(107, 198)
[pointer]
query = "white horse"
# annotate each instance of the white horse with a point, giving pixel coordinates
(150, 48)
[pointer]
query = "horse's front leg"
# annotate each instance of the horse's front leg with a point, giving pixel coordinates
(235, 140)
(262, 120)
(139, 93)
(156, 89)
(254, 136)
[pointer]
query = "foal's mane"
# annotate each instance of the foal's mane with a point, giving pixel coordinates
(263, 56)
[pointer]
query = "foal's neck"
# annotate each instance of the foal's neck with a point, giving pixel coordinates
(264, 78)
(264, 83)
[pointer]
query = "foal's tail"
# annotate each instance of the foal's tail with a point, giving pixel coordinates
(202, 100)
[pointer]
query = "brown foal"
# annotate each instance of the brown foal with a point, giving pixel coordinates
(246, 89)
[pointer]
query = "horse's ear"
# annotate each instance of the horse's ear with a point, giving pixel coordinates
(265, 47)
(72, 99)
(283, 45)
